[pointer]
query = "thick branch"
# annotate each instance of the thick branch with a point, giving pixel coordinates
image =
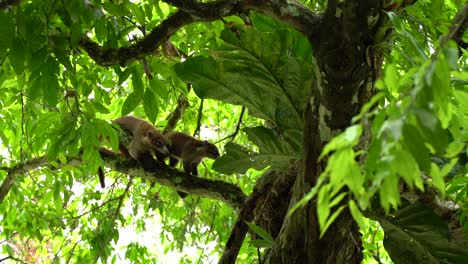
(159, 173)
(14, 172)
(7, 3)
(266, 193)
(167, 176)
(292, 12)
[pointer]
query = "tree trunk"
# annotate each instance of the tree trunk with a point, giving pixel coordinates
(345, 69)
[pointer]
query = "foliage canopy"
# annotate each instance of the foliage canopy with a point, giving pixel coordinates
(247, 87)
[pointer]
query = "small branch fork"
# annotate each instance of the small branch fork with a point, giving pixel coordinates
(239, 122)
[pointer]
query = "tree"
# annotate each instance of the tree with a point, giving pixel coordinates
(329, 113)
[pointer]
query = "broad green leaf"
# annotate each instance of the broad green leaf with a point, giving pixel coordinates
(339, 165)
(405, 165)
(138, 87)
(99, 107)
(50, 89)
(417, 235)
(238, 160)
(132, 101)
(391, 78)
(101, 30)
(414, 143)
(276, 152)
(441, 89)
(151, 106)
(6, 29)
(323, 208)
(389, 193)
(18, 55)
(115, 9)
(253, 71)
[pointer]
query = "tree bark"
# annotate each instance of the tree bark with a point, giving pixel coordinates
(345, 71)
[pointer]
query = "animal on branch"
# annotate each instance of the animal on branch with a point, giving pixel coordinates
(190, 151)
(146, 138)
(145, 141)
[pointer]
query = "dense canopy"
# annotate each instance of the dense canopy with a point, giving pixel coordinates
(342, 127)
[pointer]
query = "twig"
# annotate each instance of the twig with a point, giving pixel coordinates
(199, 118)
(233, 135)
(176, 115)
(210, 230)
(115, 214)
(22, 128)
(13, 258)
(259, 256)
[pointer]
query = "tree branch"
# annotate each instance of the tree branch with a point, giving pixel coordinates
(199, 118)
(239, 122)
(157, 173)
(272, 182)
(176, 115)
(291, 12)
(14, 172)
(458, 27)
(167, 176)
(7, 3)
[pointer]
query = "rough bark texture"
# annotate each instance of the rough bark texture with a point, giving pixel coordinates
(343, 81)
(266, 206)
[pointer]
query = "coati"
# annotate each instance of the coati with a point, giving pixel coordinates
(190, 151)
(146, 138)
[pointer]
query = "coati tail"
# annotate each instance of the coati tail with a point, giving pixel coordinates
(101, 177)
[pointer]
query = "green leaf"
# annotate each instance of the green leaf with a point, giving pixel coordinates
(132, 101)
(18, 56)
(151, 106)
(357, 214)
(417, 235)
(391, 78)
(101, 30)
(323, 208)
(50, 89)
(114, 9)
(138, 87)
(324, 228)
(275, 152)
(389, 193)
(99, 107)
(237, 160)
(441, 89)
(7, 28)
(261, 232)
(407, 168)
(348, 138)
(413, 141)
(255, 72)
